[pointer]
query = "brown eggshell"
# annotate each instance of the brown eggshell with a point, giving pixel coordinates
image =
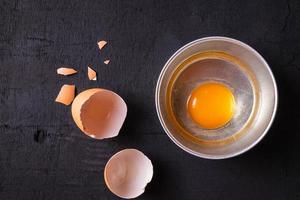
(101, 44)
(66, 94)
(127, 173)
(99, 113)
(92, 74)
(66, 71)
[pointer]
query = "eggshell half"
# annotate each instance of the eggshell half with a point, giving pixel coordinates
(92, 74)
(66, 94)
(101, 44)
(99, 113)
(127, 173)
(66, 71)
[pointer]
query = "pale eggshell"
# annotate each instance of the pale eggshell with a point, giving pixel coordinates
(106, 62)
(99, 113)
(66, 94)
(127, 173)
(92, 74)
(101, 44)
(66, 71)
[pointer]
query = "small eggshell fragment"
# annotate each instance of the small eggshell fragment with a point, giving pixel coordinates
(106, 62)
(127, 173)
(92, 74)
(66, 94)
(99, 113)
(101, 44)
(66, 71)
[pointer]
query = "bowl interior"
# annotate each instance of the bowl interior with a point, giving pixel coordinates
(232, 63)
(212, 67)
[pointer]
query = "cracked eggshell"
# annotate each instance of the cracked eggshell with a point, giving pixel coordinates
(92, 74)
(106, 62)
(66, 71)
(127, 173)
(99, 113)
(66, 94)
(101, 44)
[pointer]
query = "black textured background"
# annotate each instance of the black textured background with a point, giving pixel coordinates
(44, 156)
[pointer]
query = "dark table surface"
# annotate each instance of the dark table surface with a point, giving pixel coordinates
(43, 155)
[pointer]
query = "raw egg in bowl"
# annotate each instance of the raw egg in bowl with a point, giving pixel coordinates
(216, 97)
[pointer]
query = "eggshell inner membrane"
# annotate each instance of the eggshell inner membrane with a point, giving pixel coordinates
(99, 113)
(127, 173)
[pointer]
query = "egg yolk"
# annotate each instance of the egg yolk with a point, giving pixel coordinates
(211, 105)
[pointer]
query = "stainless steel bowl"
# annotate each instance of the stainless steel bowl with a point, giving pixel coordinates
(234, 64)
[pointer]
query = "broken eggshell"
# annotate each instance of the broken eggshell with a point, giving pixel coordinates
(127, 173)
(66, 94)
(101, 44)
(106, 62)
(66, 71)
(92, 74)
(99, 113)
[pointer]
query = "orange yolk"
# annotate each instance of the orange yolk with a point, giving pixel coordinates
(211, 105)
